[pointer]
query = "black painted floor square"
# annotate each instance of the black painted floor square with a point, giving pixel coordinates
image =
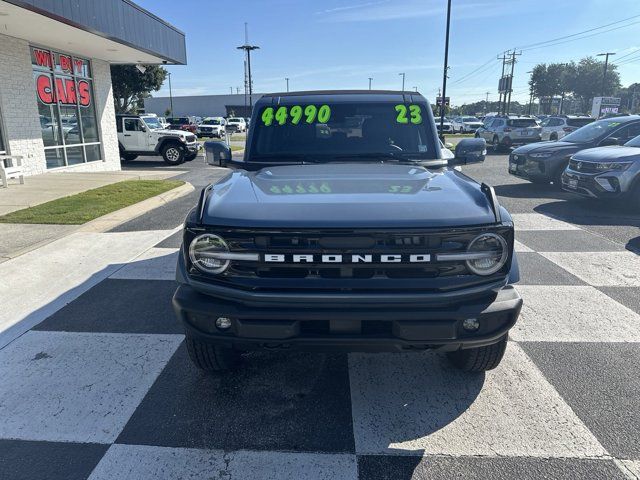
(600, 383)
(119, 306)
(173, 241)
(25, 460)
(566, 241)
(537, 270)
(273, 401)
(384, 467)
(627, 296)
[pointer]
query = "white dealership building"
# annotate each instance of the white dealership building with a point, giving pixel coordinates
(56, 98)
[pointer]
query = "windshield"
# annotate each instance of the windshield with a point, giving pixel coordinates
(343, 131)
(634, 142)
(592, 131)
(211, 122)
(152, 122)
(522, 122)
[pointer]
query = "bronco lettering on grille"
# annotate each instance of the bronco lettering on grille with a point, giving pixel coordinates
(340, 258)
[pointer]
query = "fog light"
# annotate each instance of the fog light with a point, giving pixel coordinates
(471, 324)
(223, 323)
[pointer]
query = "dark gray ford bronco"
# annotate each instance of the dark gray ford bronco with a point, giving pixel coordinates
(347, 226)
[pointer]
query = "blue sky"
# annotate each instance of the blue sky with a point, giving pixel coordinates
(339, 44)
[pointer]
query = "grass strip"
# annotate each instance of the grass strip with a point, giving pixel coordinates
(86, 206)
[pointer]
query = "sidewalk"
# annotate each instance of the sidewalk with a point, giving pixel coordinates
(37, 189)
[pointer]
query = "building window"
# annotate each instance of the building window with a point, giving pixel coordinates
(64, 92)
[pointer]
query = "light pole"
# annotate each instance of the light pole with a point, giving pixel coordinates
(606, 65)
(370, 79)
(287, 80)
(170, 94)
(446, 68)
(402, 74)
(248, 49)
(415, 89)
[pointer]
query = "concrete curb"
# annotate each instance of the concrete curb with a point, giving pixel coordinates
(113, 219)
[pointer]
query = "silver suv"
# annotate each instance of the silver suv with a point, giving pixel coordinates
(557, 126)
(506, 131)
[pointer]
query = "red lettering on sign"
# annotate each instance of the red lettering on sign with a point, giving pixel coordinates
(79, 64)
(84, 92)
(65, 63)
(43, 58)
(65, 92)
(43, 87)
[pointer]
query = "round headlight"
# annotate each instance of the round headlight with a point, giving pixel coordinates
(203, 250)
(492, 254)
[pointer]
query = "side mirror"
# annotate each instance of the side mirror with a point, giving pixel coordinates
(470, 150)
(610, 141)
(217, 153)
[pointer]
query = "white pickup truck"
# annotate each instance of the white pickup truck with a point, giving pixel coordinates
(144, 135)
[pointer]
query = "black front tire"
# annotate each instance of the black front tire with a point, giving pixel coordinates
(173, 153)
(495, 144)
(209, 357)
(479, 359)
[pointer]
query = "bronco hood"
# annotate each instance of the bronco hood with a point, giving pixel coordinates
(366, 195)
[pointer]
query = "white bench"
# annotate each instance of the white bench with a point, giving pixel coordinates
(10, 167)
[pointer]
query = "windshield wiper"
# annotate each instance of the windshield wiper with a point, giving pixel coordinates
(399, 157)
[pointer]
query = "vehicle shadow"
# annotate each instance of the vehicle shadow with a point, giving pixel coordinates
(530, 190)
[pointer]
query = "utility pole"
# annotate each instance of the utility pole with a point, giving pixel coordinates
(606, 65)
(370, 79)
(512, 61)
(402, 74)
(446, 71)
(287, 80)
(237, 91)
(170, 93)
(231, 90)
(501, 83)
(248, 49)
(415, 89)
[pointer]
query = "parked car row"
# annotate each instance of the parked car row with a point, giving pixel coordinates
(598, 160)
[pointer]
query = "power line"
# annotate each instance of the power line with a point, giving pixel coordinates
(580, 38)
(628, 54)
(461, 79)
(523, 47)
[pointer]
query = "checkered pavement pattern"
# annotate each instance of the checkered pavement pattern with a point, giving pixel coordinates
(103, 388)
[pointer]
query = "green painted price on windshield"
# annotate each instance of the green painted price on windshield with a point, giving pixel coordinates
(296, 114)
(414, 111)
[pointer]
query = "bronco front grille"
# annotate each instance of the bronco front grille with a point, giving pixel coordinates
(372, 275)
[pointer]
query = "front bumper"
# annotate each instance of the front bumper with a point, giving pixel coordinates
(603, 185)
(361, 326)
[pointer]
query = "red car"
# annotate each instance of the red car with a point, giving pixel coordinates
(182, 123)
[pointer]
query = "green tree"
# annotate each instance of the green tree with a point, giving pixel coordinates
(130, 86)
(588, 80)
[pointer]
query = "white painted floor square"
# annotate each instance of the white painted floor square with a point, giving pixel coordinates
(77, 387)
(600, 269)
(573, 314)
(125, 462)
(154, 264)
(537, 221)
(416, 404)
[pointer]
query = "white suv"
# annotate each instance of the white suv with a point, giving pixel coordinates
(212, 127)
(144, 135)
(557, 126)
(466, 124)
(236, 124)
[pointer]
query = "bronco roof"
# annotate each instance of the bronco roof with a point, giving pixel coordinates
(345, 96)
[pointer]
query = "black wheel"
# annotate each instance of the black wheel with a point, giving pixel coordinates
(477, 135)
(190, 157)
(479, 359)
(495, 144)
(173, 153)
(210, 357)
(634, 199)
(553, 137)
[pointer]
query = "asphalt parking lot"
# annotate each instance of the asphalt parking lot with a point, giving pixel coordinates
(102, 388)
